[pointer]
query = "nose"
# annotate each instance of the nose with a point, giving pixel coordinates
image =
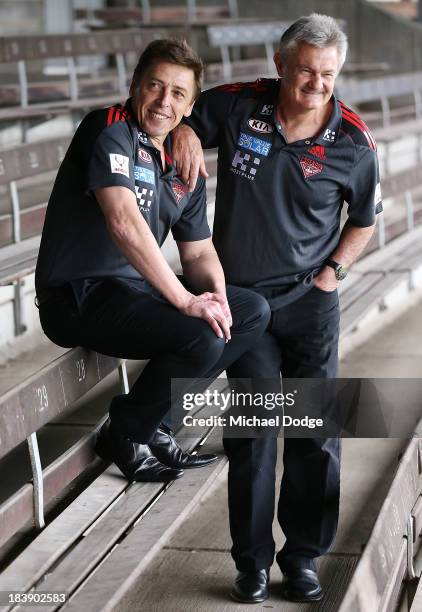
(316, 82)
(165, 96)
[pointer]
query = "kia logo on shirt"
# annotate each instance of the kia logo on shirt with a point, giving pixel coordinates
(146, 157)
(260, 126)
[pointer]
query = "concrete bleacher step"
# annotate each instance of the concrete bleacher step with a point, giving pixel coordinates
(417, 601)
(50, 91)
(387, 258)
(202, 544)
(385, 562)
(204, 584)
(380, 279)
(122, 568)
(18, 260)
(161, 15)
(26, 408)
(369, 295)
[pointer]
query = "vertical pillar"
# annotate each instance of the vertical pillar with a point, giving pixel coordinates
(58, 16)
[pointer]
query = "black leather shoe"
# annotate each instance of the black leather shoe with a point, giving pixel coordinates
(136, 461)
(301, 585)
(166, 449)
(251, 587)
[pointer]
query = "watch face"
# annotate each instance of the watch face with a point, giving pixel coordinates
(341, 273)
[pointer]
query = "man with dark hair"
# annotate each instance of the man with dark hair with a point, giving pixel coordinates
(103, 283)
(289, 155)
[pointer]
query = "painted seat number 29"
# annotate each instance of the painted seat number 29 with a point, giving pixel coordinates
(42, 397)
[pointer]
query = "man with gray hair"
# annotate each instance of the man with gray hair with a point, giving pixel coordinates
(290, 154)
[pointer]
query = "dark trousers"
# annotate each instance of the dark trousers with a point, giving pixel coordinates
(122, 321)
(301, 341)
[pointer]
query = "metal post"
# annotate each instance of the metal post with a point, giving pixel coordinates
(124, 382)
(146, 11)
(16, 213)
(73, 79)
(387, 157)
(385, 112)
(233, 10)
(227, 66)
(419, 16)
(34, 454)
(269, 49)
(409, 210)
(23, 83)
(121, 74)
(418, 104)
(20, 326)
(91, 11)
(191, 10)
(411, 575)
(381, 231)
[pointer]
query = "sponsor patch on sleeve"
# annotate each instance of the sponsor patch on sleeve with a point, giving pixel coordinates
(119, 164)
(145, 175)
(257, 145)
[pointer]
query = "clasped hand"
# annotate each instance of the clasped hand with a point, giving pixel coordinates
(212, 308)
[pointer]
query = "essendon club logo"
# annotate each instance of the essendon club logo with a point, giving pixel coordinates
(179, 191)
(310, 167)
(317, 151)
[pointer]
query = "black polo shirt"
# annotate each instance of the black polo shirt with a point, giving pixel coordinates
(108, 149)
(278, 204)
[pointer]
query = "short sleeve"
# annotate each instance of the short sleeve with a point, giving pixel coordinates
(111, 161)
(193, 224)
(363, 192)
(209, 115)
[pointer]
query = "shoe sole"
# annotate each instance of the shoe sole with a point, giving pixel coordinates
(247, 601)
(192, 467)
(317, 597)
(149, 479)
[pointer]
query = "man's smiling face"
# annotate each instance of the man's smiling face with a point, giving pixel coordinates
(162, 97)
(308, 76)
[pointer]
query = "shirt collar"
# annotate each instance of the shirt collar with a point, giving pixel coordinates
(143, 138)
(329, 132)
(170, 169)
(145, 141)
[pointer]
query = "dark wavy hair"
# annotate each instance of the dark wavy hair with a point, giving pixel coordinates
(173, 51)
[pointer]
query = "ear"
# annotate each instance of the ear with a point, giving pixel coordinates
(188, 111)
(278, 64)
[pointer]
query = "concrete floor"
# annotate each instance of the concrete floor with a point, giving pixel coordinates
(394, 352)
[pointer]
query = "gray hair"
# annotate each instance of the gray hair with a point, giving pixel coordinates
(316, 30)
